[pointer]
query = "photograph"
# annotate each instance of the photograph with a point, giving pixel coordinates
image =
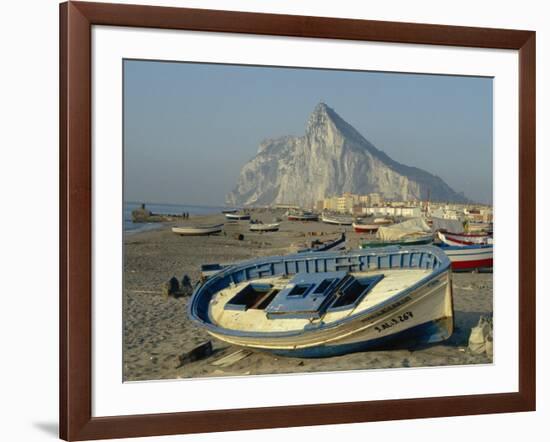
(290, 220)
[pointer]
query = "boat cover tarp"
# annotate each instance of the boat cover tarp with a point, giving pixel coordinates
(401, 230)
(447, 225)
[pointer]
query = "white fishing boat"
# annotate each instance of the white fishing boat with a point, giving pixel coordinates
(259, 227)
(198, 230)
(464, 239)
(467, 257)
(329, 303)
(240, 216)
(302, 216)
(337, 220)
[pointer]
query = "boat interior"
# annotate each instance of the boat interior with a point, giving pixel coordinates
(292, 302)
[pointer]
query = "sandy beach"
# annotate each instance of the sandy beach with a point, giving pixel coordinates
(157, 330)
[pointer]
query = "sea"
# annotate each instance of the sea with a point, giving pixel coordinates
(163, 209)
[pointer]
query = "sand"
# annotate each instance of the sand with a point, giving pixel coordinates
(157, 329)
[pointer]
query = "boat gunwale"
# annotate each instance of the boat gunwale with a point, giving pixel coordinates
(444, 261)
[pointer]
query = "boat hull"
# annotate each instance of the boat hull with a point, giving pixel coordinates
(365, 228)
(337, 244)
(264, 227)
(466, 238)
(237, 217)
(197, 231)
(427, 333)
(406, 242)
(336, 221)
(302, 218)
(469, 257)
(425, 316)
(416, 314)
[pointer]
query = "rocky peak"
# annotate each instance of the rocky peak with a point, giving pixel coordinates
(320, 120)
(331, 158)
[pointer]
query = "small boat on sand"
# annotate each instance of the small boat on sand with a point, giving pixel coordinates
(464, 239)
(472, 257)
(324, 246)
(412, 232)
(329, 303)
(260, 227)
(302, 216)
(198, 230)
(366, 227)
(240, 216)
(229, 211)
(410, 240)
(337, 220)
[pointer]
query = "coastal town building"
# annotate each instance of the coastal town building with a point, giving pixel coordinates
(398, 211)
(376, 199)
(350, 203)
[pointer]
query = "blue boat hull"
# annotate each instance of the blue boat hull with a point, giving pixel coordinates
(423, 334)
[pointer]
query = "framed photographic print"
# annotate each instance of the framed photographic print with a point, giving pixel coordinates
(273, 220)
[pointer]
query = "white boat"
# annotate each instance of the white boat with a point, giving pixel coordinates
(469, 257)
(336, 220)
(464, 239)
(259, 227)
(329, 303)
(198, 230)
(302, 216)
(237, 216)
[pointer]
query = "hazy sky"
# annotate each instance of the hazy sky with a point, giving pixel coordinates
(189, 128)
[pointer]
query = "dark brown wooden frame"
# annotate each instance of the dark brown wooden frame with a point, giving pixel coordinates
(76, 20)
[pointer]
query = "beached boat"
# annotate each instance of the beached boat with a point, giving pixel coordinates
(324, 246)
(464, 239)
(365, 228)
(411, 232)
(229, 211)
(302, 216)
(259, 227)
(337, 220)
(237, 216)
(471, 257)
(411, 240)
(198, 230)
(327, 304)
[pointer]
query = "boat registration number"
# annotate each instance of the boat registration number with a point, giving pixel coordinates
(394, 321)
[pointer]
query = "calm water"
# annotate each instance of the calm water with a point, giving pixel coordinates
(163, 209)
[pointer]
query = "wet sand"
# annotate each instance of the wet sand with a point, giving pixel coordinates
(157, 329)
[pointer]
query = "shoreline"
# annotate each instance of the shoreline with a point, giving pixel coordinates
(157, 329)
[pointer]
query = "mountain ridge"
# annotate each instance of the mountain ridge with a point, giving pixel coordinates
(331, 158)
